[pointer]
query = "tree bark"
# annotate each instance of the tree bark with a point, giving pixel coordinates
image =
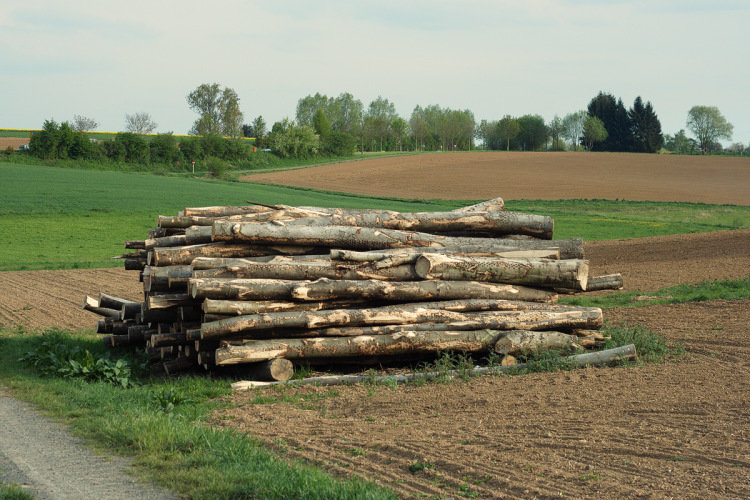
(224, 211)
(163, 278)
(522, 341)
(171, 256)
(325, 289)
(349, 237)
(495, 204)
(167, 300)
(491, 223)
(571, 273)
(386, 258)
(309, 271)
(201, 263)
(244, 307)
(112, 302)
(195, 235)
(176, 240)
(508, 314)
(241, 289)
(381, 345)
(606, 282)
(92, 304)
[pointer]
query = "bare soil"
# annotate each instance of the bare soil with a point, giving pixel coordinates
(674, 429)
(534, 176)
(13, 142)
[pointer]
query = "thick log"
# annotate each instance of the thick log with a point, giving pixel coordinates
(423, 312)
(325, 289)
(386, 258)
(134, 264)
(494, 223)
(559, 318)
(240, 289)
(166, 277)
(347, 237)
(170, 256)
(168, 339)
(377, 345)
(606, 282)
(310, 271)
(176, 240)
(135, 244)
(243, 307)
(130, 310)
(167, 300)
(570, 273)
(495, 204)
(272, 370)
(104, 325)
(92, 304)
(112, 302)
(523, 341)
(197, 234)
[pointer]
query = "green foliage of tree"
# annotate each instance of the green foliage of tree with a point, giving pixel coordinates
(321, 125)
(135, 147)
(191, 149)
(344, 113)
(60, 141)
(645, 127)
(613, 114)
(259, 130)
(708, 125)
(507, 130)
(218, 110)
(555, 129)
(593, 132)
(338, 144)
(289, 140)
(532, 133)
(163, 149)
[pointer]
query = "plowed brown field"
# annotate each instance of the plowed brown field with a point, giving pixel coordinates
(533, 176)
(675, 429)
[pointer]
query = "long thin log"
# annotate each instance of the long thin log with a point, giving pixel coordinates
(170, 256)
(598, 358)
(410, 255)
(488, 247)
(240, 289)
(112, 302)
(347, 237)
(325, 289)
(201, 263)
(380, 345)
(310, 271)
(425, 312)
(570, 273)
(492, 223)
(175, 240)
(223, 211)
(244, 307)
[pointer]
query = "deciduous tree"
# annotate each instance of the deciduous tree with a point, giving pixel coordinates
(593, 132)
(573, 124)
(139, 123)
(508, 129)
(708, 125)
(219, 110)
(83, 123)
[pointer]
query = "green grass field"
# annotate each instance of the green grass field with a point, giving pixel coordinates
(58, 218)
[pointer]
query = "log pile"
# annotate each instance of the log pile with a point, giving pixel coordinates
(272, 285)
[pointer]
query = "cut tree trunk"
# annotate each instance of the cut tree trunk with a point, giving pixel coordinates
(310, 271)
(244, 307)
(380, 345)
(495, 223)
(523, 341)
(325, 289)
(506, 313)
(386, 258)
(571, 273)
(349, 237)
(495, 247)
(607, 282)
(495, 204)
(278, 369)
(171, 256)
(241, 289)
(92, 304)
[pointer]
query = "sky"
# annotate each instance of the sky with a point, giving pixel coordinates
(105, 59)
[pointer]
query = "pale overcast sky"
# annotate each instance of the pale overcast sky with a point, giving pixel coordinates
(104, 59)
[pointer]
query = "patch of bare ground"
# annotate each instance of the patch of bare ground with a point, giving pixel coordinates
(13, 142)
(532, 176)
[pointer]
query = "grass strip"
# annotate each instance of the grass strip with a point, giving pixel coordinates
(161, 424)
(678, 294)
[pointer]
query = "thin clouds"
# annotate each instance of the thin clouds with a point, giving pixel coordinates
(493, 57)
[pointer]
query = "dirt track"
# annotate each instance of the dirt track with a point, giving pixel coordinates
(534, 176)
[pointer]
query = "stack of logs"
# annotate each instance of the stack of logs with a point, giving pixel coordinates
(269, 285)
